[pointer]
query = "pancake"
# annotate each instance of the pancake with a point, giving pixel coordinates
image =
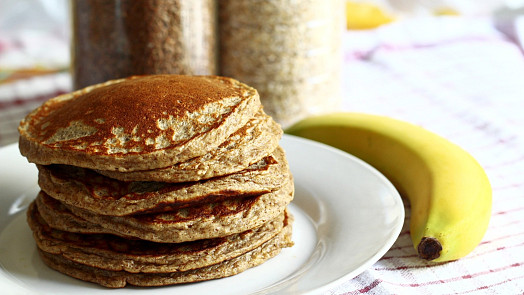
(84, 188)
(119, 279)
(59, 217)
(258, 138)
(115, 253)
(137, 123)
(157, 180)
(209, 220)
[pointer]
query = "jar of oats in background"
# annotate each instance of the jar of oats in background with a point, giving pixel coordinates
(290, 51)
(115, 39)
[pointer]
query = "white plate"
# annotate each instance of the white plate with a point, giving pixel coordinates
(347, 215)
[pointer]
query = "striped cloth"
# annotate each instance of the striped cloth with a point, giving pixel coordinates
(465, 81)
(457, 77)
(19, 97)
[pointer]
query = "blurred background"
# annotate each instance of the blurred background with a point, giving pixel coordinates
(34, 34)
(35, 43)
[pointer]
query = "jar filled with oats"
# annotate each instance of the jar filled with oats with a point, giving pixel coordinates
(290, 51)
(119, 38)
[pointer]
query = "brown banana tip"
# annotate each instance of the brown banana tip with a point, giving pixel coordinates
(429, 248)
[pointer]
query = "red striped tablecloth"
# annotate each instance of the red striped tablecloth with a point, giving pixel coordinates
(465, 81)
(459, 78)
(19, 97)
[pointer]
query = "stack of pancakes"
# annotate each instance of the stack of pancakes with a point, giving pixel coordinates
(157, 180)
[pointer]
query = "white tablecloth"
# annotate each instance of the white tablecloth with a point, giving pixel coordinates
(465, 81)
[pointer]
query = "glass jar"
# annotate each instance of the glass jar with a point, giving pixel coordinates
(290, 51)
(119, 38)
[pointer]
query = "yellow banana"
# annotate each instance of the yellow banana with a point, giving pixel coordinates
(361, 16)
(449, 192)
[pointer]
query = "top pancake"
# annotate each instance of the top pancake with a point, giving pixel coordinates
(252, 142)
(137, 123)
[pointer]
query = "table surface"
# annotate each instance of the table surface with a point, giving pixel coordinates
(460, 78)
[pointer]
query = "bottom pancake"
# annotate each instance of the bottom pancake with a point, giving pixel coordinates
(115, 253)
(118, 279)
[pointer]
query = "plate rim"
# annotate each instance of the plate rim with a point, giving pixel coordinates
(400, 210)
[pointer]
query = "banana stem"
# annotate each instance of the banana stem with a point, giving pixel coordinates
(429, 248)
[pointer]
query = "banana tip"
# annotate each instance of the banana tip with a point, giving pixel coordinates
(429, 248)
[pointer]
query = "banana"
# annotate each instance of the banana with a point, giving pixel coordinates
(361, 16)
(449, 192)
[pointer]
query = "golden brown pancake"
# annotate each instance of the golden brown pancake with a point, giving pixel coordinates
(209, 220)
(84, 188)
(137, 123)
(114, 253)
(119, 279)
(253, 141)
(58, 216)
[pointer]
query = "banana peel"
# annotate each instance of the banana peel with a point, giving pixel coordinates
(449, 192)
